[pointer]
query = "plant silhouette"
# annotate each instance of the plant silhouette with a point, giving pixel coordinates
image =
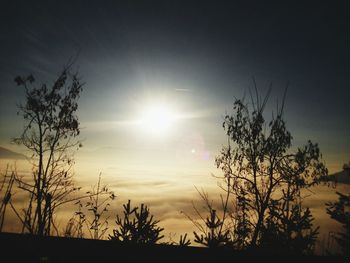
(137, 226)
(50, 134)
(258, 160)
(211, 231)
(340, 211)
(6, 186)
(289, 231)
(262, 179)
(213, 237)
(97, 205)
(183, 241)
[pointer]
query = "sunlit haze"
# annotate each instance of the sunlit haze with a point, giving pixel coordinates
(159, 78)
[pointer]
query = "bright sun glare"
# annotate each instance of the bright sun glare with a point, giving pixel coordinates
(158, 119)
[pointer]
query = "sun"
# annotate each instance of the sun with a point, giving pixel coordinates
(158, 119)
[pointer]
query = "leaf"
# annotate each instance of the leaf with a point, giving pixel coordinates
(30, 78)
(19, 81)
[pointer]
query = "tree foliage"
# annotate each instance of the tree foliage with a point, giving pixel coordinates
(213, 236)
(289, 230)
(261, 170)
(242, 227)
(50, 134)
(98, 204)
(6, 193)
(340, 211)
(137, 226)
(183, 241)
(92, 215)
(211, 231)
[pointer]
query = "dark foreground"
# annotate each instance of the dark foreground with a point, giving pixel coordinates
(28, 248)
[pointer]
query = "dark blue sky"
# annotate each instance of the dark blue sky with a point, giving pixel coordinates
(212, 48)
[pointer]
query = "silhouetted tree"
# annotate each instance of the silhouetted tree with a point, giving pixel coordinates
(289, 230)
(258, 163)
(340, 211)
(97, 205)
(211, 231)
(97, 227)
(212, 236)
(6, 194)
(50, 132)
(137, 226)
(183, 241)
(242, 226)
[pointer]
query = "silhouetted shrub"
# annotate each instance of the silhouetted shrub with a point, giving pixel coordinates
(137, 226)
(184, 242)
(289, 230)
(213, 236)
(97, 206)
(340, 211)
(6, 186)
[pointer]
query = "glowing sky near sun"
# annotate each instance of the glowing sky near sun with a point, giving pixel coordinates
(160, 77)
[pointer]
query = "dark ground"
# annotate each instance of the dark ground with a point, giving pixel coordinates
(28, 248)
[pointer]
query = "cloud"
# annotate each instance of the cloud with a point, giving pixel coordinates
(167, 194)
(183, 90)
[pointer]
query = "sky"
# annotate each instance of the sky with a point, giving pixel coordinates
(191, 58)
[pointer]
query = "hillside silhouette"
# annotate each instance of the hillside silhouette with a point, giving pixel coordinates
(8, 154)
(342, 177)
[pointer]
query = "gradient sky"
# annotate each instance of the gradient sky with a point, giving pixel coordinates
(194, 57)
(197, 56)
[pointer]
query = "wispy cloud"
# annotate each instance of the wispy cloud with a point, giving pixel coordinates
(183, 90)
